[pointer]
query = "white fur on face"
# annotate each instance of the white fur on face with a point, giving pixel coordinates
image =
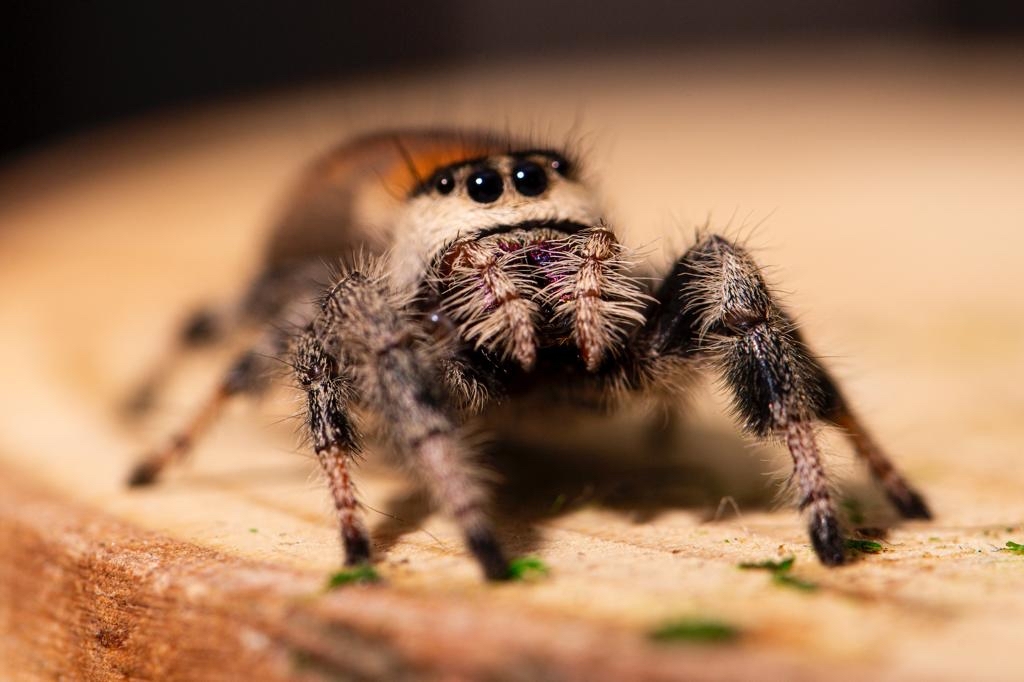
(429, 221)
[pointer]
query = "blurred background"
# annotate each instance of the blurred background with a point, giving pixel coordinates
(73, 66)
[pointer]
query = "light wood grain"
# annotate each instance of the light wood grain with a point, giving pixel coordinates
(886, 187)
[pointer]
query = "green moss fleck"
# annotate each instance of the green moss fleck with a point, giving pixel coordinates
(773, 566)
(780, 573)
(254, 530)
(1015, 547)
(788, 580)
(353, 576)
(695, 630)
(527, 568)
(865, 546)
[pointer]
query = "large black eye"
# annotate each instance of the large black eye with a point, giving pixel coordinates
(444, 183)
(485, 185)
(529, 179)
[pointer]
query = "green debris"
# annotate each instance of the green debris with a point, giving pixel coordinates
(773, 566)
(353, 576)
(695, 630)
(527, 568)
(788, 580)
(780, 571)
(254, 530)
(865, 546)
(1015, 547)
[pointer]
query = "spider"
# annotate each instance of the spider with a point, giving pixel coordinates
(474, 271)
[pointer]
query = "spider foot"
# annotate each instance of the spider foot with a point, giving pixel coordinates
(488, 553)
(909, 503)
(144, 473)
(139, 403)
(827, 539)
(357, 549)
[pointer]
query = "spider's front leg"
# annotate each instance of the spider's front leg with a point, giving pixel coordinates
(333, 436)
(363, 348)
(715, 303)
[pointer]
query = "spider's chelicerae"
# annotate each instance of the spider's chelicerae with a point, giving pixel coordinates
(476, 271)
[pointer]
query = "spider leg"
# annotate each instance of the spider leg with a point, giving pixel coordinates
(247, 375)
(715, 303)
(907, 501)
(203, 327)
(473, 387)
(334, 437)
(399, 379)
(264, 300)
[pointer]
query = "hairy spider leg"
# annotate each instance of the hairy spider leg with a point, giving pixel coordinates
(907, 501)
(248, 375)
(334, 437)
(264, 300)
(204, 327)
(715, 303)
(365, 328)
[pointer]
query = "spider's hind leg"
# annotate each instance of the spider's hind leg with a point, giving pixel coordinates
(715, 303)
(275, 302)
(270, 293)
(204, 327)
(248, 375)
(908, 502)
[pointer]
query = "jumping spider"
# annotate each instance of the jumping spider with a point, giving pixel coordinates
(476, 271)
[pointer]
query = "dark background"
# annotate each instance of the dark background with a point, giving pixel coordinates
(68, 68)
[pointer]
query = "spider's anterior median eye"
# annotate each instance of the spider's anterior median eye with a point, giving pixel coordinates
(444, 183)
(485, 185)
(529, 179)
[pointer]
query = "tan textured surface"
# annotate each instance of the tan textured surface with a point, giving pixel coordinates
(889, 186)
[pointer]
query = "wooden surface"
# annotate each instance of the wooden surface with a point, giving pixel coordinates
(886, 190)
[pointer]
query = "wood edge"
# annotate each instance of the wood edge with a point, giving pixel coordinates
(85, 595)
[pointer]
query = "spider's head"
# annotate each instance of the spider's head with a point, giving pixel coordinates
(507, 245)
(487, 195)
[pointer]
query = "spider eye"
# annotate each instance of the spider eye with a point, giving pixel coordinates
(560, 165)
(529, 179)
(444, 183)
(485, 185)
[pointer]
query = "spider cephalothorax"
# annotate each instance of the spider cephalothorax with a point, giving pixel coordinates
(467, 264)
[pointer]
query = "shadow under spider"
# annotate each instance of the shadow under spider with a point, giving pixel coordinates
(641, 471)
